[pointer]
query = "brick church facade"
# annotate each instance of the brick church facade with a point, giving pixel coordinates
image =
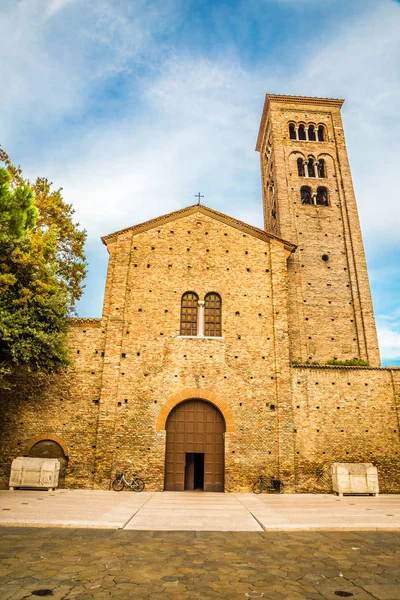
(210, 364)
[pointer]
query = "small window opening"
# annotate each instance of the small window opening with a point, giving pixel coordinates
(305, 195)
(302, 132)
(311, 167)
(311, 133)
(321, 133)
(300, 167)
(292, 131)
(321, 168)
(322, 196)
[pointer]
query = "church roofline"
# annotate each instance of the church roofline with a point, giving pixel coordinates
(293, 100)
(210, 212)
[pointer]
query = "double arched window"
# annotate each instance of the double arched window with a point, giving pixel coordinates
(307, 132)
(201, 317)
(318, 198)
(311, 167)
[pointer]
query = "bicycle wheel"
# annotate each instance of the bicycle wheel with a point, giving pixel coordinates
(118, 485)
(258, 487)
(137, 484)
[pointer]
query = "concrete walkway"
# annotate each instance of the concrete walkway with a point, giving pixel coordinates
(198, 511)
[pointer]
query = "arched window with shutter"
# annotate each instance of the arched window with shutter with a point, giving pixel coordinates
(189, 305)
(305, 194)
(321, 168)
(322, 197)
(212, 315)
(311, 166)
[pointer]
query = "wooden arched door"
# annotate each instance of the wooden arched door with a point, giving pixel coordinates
(194, 457)
(51, 449)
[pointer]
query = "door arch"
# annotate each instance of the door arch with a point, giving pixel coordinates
(51, 449)
(194, 456)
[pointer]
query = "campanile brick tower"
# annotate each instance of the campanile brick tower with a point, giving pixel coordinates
(308, 198)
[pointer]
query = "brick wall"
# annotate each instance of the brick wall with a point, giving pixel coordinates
(346, 415)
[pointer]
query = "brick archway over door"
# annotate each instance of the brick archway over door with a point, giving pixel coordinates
(195, 427)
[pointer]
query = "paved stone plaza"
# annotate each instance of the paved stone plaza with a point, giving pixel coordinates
(192, 546)
(199, 511)
(103, 564)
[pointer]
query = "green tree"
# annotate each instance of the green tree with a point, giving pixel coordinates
(42, 267)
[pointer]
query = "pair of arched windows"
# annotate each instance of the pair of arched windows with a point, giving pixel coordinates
(318, 198)
(201, 317)
(311, 167)
(307, 133)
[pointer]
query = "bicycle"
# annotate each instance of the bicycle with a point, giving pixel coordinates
(274, 486)
(137, 484)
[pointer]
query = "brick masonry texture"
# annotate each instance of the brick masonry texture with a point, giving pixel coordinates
(281, 306)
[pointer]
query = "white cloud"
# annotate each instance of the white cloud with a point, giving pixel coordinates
(389, 337)
(198, 133)
(56, 5)
(190, 123)
(60, 52)
(360, 62)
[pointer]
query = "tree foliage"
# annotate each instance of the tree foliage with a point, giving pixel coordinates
(42, 267)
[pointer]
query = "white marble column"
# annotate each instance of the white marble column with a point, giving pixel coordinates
(200, 319)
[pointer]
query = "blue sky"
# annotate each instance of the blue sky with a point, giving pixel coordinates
(133, 106)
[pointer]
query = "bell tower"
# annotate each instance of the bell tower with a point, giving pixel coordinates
(308, 199)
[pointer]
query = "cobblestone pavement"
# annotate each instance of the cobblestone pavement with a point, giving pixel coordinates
(91, 564)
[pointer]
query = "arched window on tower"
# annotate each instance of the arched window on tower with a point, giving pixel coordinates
(292, 131)
(322, 196)
(212, 315)
(311, 166)
(302, 132)
(300, 167)
(321, 133)
(305, 194)
(321, 168)
(189, 304)
(311, 133)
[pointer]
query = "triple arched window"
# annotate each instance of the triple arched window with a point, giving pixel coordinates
(201, 317)
(311, 167)
(317, 198)
(307, 133)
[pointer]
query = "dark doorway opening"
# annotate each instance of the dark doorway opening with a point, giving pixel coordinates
(194, 471)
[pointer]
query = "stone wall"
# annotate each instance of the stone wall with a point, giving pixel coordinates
(63, 408)
(344, 414)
